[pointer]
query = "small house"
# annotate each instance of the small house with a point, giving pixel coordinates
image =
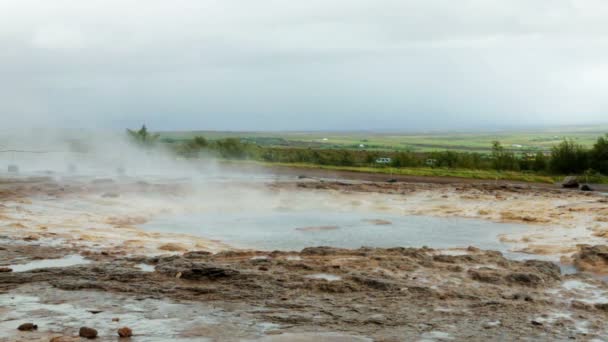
(384, 160)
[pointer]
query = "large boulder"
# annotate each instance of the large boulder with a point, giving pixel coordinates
(570, 182)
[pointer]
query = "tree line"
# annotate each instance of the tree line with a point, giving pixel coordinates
(568, 157)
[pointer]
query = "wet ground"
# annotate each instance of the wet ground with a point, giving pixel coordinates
(77, 256)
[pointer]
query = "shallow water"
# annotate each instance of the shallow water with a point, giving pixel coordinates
(59, 312)
(295, 230)
(69, 260)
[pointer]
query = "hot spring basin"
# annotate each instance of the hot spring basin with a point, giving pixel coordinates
(295, 230)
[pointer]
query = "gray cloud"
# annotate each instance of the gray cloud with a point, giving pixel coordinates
(273, 64)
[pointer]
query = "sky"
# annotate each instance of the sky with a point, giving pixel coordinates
(303, 65)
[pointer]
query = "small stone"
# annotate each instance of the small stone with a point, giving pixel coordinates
(125, 332)
(115, 319)
(536, 323)
(5, 269)
(87, 332)
(28, 327)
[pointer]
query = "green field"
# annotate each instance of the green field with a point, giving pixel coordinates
(517, 141)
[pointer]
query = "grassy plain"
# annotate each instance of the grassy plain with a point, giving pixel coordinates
(522, 141)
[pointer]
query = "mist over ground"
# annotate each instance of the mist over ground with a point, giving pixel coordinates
(314, 65)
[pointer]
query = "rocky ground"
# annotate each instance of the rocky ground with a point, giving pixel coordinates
(172, 287)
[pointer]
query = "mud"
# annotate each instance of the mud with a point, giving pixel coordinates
(184, 288)
(384, 294)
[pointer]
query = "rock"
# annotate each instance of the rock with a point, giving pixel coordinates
(186, 269)
(5, 269)
(391, 180)
(570, 182)
(115, 319)
(585, 187)
(547, 268)
(376, 319)
(526, 279)
(592, 258)
(602, 306)
(31, 238)
(374, 283)
(87, 332)
(125, 332)
(485, 276)
(28, 327)
(197, 254)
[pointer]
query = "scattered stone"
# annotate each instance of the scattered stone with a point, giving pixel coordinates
(28, 327)
(537, 323)
(87, 332)
(115, 319)
(5, 269)
(391, 180)
(94, 312)
(585, 187)
(125, 332)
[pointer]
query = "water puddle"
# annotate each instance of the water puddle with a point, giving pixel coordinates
(145, 267)
(324, 276)
(295, 230)
(70, 260)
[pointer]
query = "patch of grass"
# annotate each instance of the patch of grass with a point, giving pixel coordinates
(426, 172)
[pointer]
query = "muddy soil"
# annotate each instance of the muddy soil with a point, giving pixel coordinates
(397, 294)
(182, 288)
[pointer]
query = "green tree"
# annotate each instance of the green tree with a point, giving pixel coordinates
(540, 162)
(503, 159)
(569, 157)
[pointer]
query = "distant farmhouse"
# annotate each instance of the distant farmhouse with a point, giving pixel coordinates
(384, 160)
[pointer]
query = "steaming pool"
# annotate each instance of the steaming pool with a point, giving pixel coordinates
(295, 230)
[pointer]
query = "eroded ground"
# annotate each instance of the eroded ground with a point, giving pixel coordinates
(171, 287)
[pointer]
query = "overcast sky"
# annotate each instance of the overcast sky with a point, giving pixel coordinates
(303, 65)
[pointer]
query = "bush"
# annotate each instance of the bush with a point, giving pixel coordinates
(569, 158)
(599, 155)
